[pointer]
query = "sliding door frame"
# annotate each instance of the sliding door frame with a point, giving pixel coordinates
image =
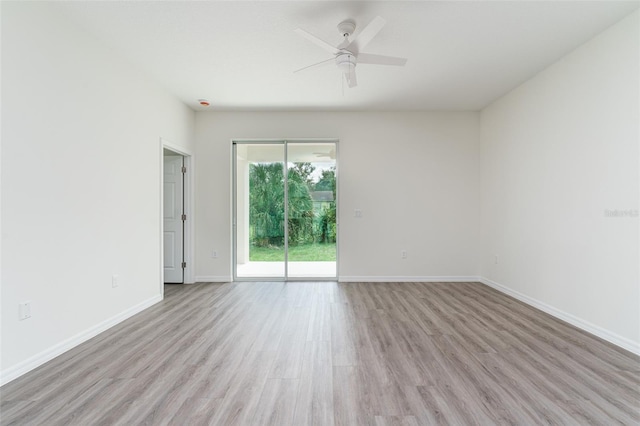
(234, 213)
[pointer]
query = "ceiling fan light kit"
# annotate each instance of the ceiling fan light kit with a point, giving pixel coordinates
(346, 61)
(348, 53)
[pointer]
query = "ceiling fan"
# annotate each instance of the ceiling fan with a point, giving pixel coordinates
(349, 53)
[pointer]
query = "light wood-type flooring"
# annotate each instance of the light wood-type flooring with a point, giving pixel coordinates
(326, 353)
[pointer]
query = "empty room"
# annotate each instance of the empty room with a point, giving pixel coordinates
(320, 213)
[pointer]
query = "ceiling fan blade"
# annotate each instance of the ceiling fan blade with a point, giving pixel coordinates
(330, 154)
(323, 44)
(368, 58)
(316, 64)
(352, 81)
(367, 34)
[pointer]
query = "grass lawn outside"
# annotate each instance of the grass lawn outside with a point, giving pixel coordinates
(298, 253)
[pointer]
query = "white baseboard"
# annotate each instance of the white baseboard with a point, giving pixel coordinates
(600, 332)
(37, 360)
(404, 279)
(214, 279)
(408, 279)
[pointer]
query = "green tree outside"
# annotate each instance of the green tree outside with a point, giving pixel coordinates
(312, 234)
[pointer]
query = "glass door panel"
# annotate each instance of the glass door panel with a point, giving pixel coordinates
(311, 208)
(260, 240)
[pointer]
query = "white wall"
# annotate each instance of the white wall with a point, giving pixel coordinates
(555, 154)
(413, 175)
(80, 184)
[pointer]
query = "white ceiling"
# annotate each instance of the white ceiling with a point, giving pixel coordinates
(241, 54)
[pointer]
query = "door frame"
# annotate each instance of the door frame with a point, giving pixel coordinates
(188, 253)
(234, 208)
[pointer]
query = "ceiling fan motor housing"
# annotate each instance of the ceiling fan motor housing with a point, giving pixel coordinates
(346, 28)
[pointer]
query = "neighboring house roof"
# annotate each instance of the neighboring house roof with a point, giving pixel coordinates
(322, 196)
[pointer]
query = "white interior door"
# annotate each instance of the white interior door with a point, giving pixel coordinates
(173, 219)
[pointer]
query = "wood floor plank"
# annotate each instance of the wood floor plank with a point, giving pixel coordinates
(423, 407)
(569, 387)
(348, 404)
(525, 391)
(343, 341)
(320, 319)
(277, 403)
(478, 382)
(396, 355)
(194, 412)
(288, 360)
(314, 404)
(455, 403)
(77, 405)
(241, 401)
(396, 421)
(332, 353)
(18, 409)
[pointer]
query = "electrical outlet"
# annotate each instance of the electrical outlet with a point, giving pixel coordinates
(114, 281)
(24, 310)
(358, 213)
(403, 254)
(214, 254)
(495, 259)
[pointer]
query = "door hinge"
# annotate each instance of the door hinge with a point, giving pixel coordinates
(184, 265)
(184, 217)
(184, 169)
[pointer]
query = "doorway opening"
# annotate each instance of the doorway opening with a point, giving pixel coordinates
(285, 210)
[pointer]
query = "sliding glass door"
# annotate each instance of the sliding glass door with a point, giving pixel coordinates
(285, 210)
(311, 204)
(259, 213)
